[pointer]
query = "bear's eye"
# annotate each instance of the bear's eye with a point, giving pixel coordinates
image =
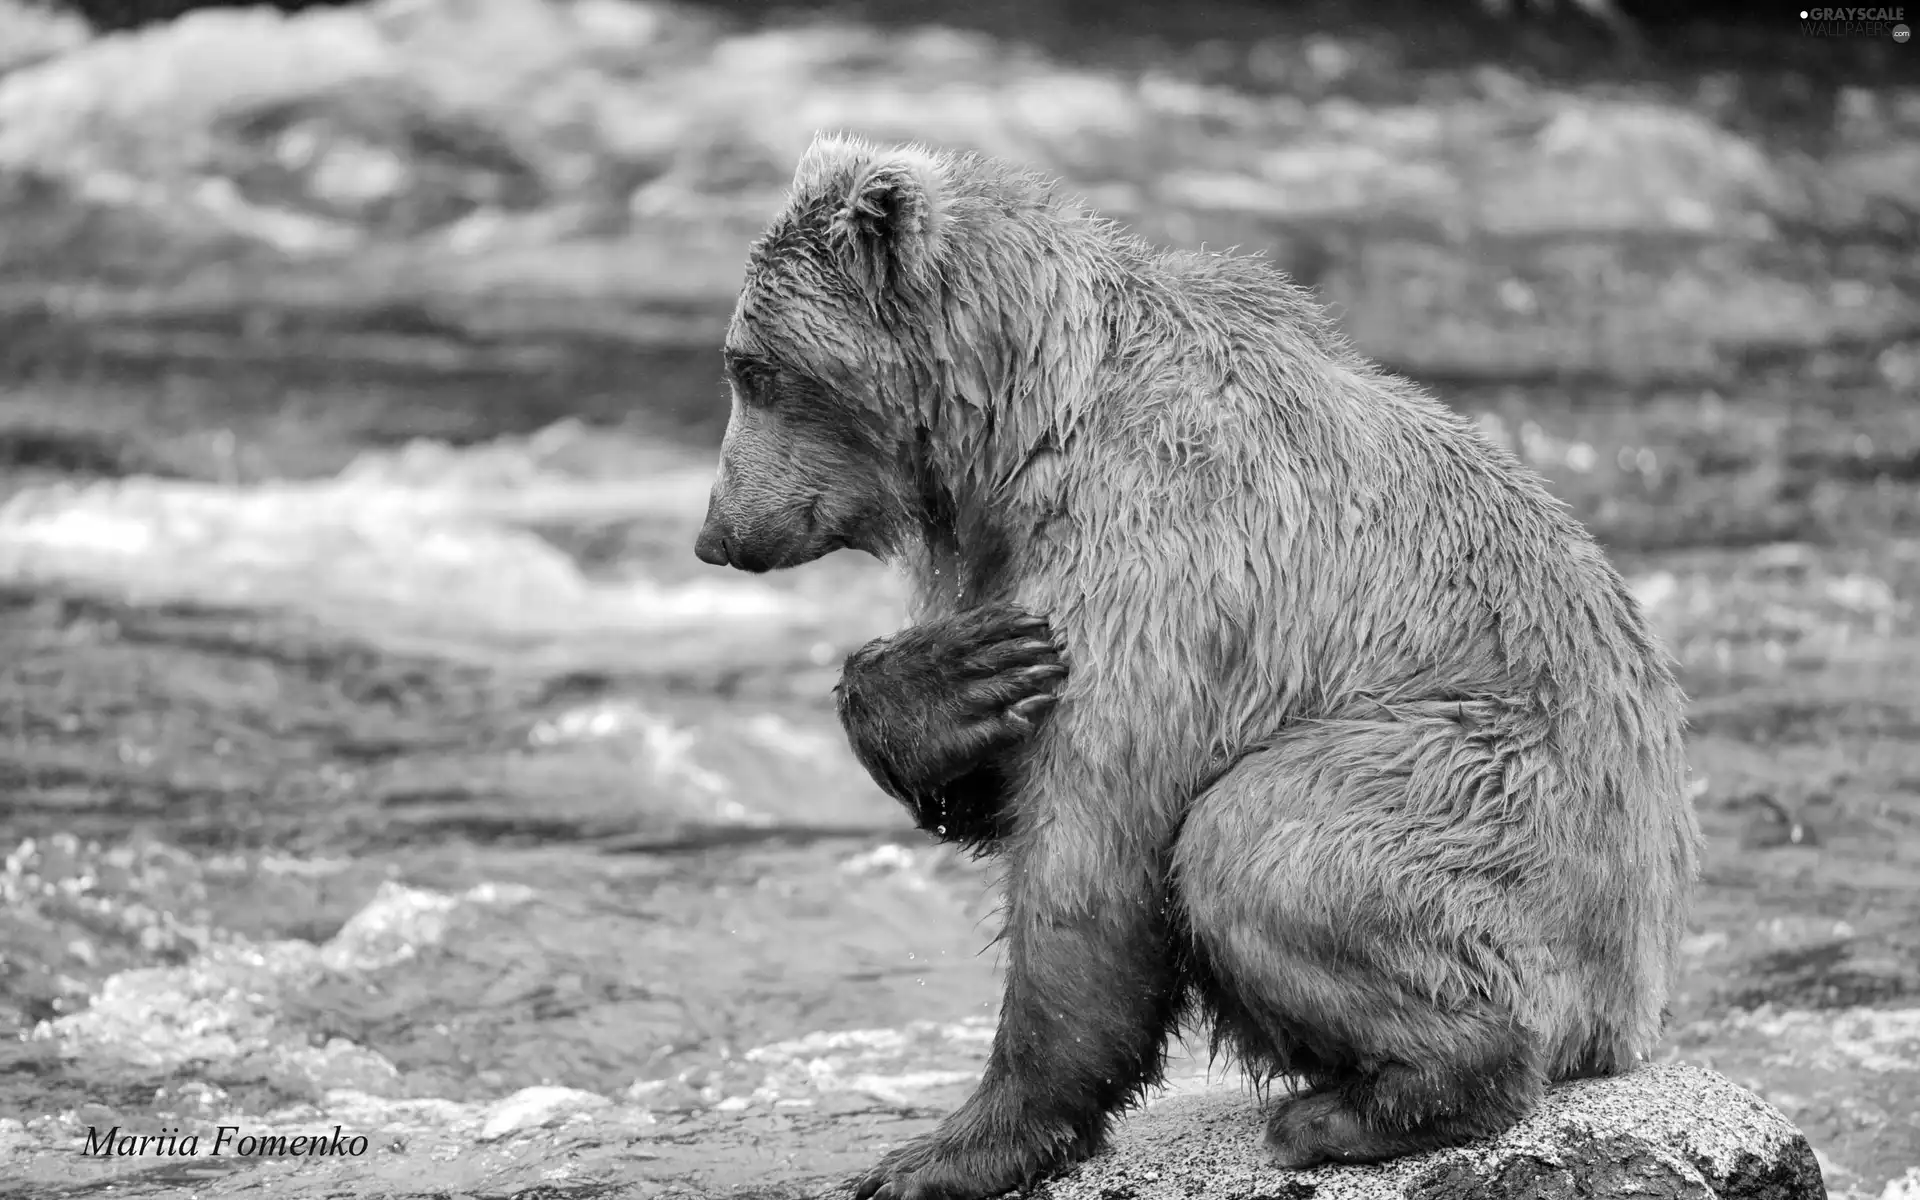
(756, 377)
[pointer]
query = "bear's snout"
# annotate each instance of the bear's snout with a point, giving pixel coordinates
(711, 546)
(756, 533)
(723, 544)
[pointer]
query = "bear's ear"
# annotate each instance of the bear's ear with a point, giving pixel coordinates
(889, 222)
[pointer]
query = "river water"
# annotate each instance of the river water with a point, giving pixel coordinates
(370, 728)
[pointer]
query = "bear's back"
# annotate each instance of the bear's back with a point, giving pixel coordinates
(1240, 430)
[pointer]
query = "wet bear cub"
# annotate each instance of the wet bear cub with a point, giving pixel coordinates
(1338, 726)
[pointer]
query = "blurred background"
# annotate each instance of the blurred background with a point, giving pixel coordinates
(374, 752)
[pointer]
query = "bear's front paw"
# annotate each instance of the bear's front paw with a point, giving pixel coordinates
(944, 698)
(1007, 669)
(936, 1168)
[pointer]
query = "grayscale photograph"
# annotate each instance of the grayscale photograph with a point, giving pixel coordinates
(900, 600)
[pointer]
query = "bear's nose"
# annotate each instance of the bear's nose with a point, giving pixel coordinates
(711, 546)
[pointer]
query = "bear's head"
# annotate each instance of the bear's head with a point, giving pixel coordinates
(864, 356)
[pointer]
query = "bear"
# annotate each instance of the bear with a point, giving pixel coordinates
(1356, 744)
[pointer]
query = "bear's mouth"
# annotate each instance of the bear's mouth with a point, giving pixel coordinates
(801, 541)
(819, 544)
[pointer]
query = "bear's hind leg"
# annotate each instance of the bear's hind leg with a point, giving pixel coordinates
(1477, 1085)
(1337, 939)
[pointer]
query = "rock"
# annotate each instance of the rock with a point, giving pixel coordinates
(1667, 1132)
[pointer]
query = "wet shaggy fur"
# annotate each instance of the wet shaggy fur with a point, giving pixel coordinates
(1364, 745)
